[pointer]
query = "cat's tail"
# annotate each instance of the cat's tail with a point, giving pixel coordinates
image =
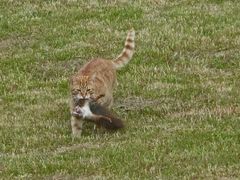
(127, 52)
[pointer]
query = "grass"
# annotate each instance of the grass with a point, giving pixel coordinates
(179, 96)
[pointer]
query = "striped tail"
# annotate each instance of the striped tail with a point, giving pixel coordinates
(127, 52)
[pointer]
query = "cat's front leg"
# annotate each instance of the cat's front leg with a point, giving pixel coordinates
(77, 126)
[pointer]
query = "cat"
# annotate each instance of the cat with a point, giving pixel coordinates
(98, 77)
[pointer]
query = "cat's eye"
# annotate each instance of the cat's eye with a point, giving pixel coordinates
(75, 91)
(88, 90)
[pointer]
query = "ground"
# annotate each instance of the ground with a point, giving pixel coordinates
(179, 96)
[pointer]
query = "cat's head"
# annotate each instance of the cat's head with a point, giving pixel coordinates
(82, 89)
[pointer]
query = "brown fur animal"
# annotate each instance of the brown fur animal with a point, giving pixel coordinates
(96, 78)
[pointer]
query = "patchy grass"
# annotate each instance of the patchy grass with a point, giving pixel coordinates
(179, 96)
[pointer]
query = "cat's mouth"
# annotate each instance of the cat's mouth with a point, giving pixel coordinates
(79, 103)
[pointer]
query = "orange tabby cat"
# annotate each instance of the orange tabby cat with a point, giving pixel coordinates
(97, 78)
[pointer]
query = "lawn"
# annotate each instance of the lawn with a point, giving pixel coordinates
(179, 95)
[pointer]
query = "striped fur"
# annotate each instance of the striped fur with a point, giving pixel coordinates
(127, 52)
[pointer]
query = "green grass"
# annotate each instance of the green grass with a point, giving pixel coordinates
(179, 96)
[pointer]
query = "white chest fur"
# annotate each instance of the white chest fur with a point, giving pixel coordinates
(86, 112)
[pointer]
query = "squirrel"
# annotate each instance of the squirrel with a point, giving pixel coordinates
(92, 111)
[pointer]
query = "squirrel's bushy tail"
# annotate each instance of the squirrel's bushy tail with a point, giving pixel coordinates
(127, 52)
(104, 118)
(114, 124)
